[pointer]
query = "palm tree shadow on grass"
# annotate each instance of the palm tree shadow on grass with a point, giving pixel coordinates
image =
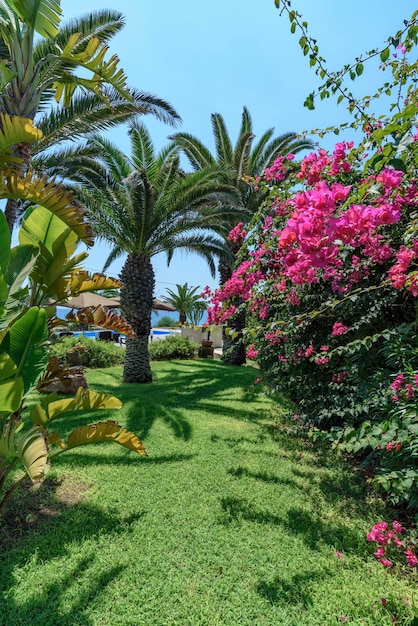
(39, 610)
(191, 385)
(41, 522)
(293, 590)
(308, 525)
(141, 420)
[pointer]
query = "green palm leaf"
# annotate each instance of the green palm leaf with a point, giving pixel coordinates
(43, 16)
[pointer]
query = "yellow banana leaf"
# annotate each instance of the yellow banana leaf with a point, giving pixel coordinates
(92, 57)
(82, 282)
(33, 451)
(15, 130)
(85, 400)
(7, 438)
(106, 431)
(53, 197)
(106, 319)
(55, 440)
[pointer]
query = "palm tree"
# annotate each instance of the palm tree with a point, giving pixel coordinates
(244, 158)
(142, 206)
(185, 301)
(34, 74)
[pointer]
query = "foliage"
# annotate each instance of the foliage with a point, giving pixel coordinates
(166, 322)
(33, 274)
(172, 347)
(329, 274)
(99, 353)
(187, 301)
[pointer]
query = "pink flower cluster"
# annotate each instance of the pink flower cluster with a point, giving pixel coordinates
(278, 171)
(239, 285)
(398, 275)
(389, 538)
(402, 388)
(338, 329)
(237, 234)
(319, 236)
(252, 353)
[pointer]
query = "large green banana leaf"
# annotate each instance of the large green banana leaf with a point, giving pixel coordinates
(11, 385)
(5, 239)
(25, 343)
(41, 226)
(11, 395)
(42, 16)
(22, 261)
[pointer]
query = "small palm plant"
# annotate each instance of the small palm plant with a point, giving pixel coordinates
(187, 302)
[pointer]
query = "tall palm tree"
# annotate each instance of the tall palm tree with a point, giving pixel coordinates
(185, 301)
(246, 157)
(35, 73)
(142, 206)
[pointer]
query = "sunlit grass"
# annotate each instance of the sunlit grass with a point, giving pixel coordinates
(229, 521)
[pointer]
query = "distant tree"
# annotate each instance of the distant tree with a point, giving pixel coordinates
(166, 322)
(186, 301)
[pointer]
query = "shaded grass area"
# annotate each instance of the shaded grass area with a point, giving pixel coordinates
(229, 521)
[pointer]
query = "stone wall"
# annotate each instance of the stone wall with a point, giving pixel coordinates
(199, 335)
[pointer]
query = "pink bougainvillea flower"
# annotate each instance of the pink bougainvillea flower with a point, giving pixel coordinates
(412, 558)
(338, 554)
(338, 329)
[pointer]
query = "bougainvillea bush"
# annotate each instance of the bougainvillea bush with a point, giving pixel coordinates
(328, 274)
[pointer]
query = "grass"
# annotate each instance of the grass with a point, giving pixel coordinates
(229, 521)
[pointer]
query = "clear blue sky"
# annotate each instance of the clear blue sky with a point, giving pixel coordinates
(219, 55)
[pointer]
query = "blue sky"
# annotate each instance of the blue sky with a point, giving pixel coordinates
(219, 55)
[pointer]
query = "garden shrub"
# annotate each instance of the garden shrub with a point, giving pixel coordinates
(100, 353)
(166, 322)
(328, 273)
(173, 347)
(329, 278)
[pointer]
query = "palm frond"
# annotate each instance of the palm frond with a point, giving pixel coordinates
(143, 153)
(242, 153)
(197, 153)
(281, 146)
(222, 141)
(246, 124)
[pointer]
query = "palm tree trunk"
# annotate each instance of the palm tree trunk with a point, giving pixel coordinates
(136, 300)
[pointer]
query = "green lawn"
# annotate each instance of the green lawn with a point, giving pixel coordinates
(229, 521)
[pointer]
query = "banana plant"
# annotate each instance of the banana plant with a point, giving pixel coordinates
(42, 268)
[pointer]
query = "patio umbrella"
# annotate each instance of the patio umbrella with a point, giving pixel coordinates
(89, 298)
(158, 305)
(84, 300)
